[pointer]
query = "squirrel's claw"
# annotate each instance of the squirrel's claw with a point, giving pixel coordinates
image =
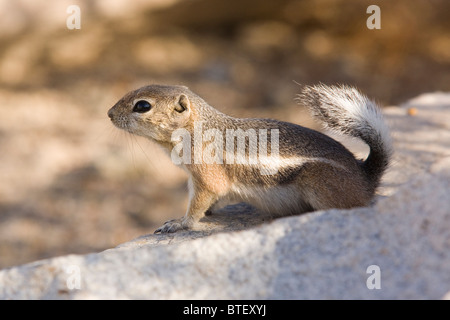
(171, 226)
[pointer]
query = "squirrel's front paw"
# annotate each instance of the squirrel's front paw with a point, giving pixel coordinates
(174, 225)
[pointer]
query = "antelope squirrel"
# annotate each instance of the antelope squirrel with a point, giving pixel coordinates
(305, 171)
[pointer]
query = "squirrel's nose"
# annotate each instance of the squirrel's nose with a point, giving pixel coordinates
(110, 114)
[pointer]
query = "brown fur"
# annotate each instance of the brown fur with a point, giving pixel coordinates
(315, 172)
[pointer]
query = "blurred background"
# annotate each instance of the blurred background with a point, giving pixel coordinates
(72, 183)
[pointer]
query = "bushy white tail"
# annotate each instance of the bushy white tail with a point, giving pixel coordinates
(345, 110)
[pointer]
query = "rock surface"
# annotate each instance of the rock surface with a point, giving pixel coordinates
(321, 255)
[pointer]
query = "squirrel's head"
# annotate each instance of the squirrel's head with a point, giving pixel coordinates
(154, 111)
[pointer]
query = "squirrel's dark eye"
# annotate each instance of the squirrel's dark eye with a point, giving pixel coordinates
(142, 106)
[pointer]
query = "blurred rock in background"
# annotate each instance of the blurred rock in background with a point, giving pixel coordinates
(71, 183)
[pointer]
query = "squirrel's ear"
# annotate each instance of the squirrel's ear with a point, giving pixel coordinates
(183, 104)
